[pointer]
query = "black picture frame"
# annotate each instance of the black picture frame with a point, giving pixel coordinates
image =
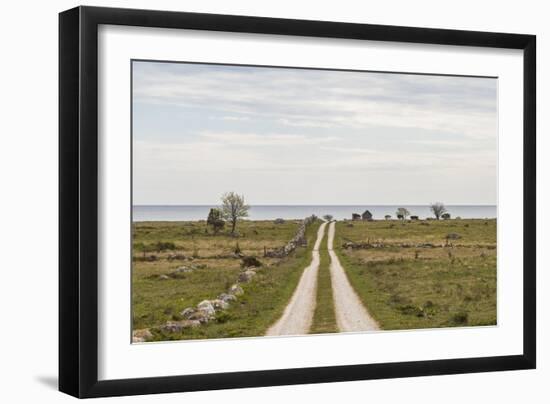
(78, 200)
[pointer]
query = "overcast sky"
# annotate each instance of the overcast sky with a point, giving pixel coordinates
(295, 136)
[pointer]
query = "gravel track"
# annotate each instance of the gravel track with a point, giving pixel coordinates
(298, 314)
(351, 315)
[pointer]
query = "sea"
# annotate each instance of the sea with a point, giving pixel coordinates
(339, 212)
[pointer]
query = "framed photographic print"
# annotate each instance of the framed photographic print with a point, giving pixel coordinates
(250, 201)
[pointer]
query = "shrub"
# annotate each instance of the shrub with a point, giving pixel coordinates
(215, 220)
(460, 318)
(164, 245)
(250, 261)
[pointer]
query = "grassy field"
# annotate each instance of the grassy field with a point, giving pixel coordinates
(324, 318)
(159, 296)
(452, 283)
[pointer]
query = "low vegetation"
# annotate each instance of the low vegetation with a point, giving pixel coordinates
(423, 274)
(203, 264)
(324, 318)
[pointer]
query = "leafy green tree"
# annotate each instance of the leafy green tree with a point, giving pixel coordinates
(234, 208)
(215, 220)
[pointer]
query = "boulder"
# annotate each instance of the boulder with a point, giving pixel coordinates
(178, 326)
(207, 307)
(202, 316)
(172, 257)
(183, 269)
(236, 290)
(163, 277)
(246, 276)
(187, 312)
(227, 297)
(142, 335)
(219, 304)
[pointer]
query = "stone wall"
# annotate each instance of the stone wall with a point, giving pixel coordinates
(298, 240)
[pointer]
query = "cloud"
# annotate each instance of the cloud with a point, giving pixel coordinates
(297, 97)
(289, 131)
(252, 139)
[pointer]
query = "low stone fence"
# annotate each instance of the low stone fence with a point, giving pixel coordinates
(298, 240)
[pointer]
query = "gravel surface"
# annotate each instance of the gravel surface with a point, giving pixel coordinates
(351, 315)
(298, 314)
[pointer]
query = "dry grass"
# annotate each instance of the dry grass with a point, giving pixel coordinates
(156, 300)
(407, 288)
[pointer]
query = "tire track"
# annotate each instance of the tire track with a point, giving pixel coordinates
(298, 314)
(351, 315)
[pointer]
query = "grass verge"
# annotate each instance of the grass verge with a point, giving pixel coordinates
(324, 319)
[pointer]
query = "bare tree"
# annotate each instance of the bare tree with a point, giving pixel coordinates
(234, 208)
(402, 213)
(438, 209)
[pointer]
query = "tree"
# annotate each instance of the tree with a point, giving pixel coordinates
(438, 209)
(387, 217)
(328, 218)
(215, 220)
(233, 208)
(402, 213)
(446, 216)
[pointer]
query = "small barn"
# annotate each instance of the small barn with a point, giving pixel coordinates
(355, 216)
(366, 215)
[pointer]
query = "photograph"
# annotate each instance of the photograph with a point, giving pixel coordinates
(274, 201)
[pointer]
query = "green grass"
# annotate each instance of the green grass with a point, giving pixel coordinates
(265, 297)
(408, 288)
(472, 231)
(324, 318)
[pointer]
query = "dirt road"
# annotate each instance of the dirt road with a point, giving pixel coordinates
(351, 315)
(298, 314)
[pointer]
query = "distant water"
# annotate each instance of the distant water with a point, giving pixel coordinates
(270, 212)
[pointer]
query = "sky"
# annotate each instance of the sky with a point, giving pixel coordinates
(283, 136)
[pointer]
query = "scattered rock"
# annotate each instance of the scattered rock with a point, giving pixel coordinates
(203, 316)
(163, 277)
(219, 304)
(183, 269)
(207, 307)
(178, 326)
(246, 276)
(141, 335)
(236, 290)
(187, 312)
(172, 257)
(227, 297)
